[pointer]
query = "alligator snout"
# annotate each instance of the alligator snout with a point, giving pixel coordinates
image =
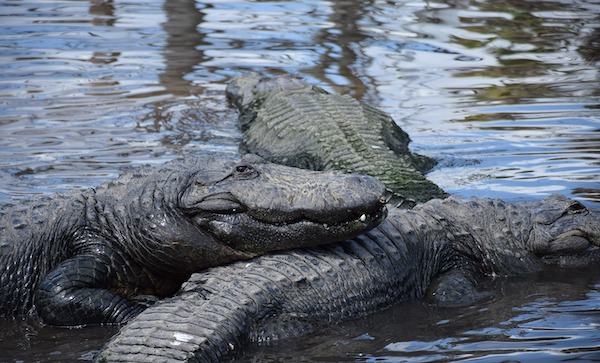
(324, 197)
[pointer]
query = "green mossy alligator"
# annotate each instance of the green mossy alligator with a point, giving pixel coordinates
(293, 123)
(100, 256)
(442, 249)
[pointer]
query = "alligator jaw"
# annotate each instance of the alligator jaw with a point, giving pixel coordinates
(245, 233)
(225, 203)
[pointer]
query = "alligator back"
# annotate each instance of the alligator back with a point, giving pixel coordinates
(292, 123)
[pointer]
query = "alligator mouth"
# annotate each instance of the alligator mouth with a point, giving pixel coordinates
(573, 241)
(219, 203)
(571, 233)
(250, 231)
(248, 235)
(226, 204)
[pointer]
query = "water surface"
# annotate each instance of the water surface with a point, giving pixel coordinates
(506, 95)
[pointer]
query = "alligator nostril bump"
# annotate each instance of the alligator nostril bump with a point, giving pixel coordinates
(356, 179)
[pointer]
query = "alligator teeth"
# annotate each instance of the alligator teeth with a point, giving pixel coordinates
(363, 218)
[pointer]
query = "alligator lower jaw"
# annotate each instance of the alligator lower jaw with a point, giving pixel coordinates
(247, 234)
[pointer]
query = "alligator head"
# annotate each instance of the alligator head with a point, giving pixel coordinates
(565, 232)
(247, 92)
(247, 89)
(252, 207)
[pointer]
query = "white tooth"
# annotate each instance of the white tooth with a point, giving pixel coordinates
(363, 218)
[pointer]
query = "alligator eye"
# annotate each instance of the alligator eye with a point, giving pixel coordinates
(245, 171)
(576, 208)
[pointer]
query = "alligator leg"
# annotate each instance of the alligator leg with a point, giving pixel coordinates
(455, 288)
(77, 292)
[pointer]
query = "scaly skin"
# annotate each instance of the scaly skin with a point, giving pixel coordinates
(292, 123)
(430, 249)
(101, 255)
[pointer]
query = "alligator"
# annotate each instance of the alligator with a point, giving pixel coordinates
(442, 250)
(103, 255)
(290, 122)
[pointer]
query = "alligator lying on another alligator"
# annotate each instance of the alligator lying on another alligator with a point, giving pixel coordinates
(88, 257)
(293, 123)
(92, 256)
(441, 249)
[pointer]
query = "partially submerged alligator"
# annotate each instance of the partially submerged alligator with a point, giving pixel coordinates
(88, 257)
(293, 123)
(441, 249)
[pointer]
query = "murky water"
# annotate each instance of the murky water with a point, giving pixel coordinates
(505, 94)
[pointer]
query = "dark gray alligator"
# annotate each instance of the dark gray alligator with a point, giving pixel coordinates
(88, 257)
(441, 249)
(293, 123)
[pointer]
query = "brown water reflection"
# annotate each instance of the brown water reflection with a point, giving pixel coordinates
(339, 63)
(591, 47)
(182, 52)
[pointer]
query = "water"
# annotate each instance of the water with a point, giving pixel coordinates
(506, 95)
(528, 319)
